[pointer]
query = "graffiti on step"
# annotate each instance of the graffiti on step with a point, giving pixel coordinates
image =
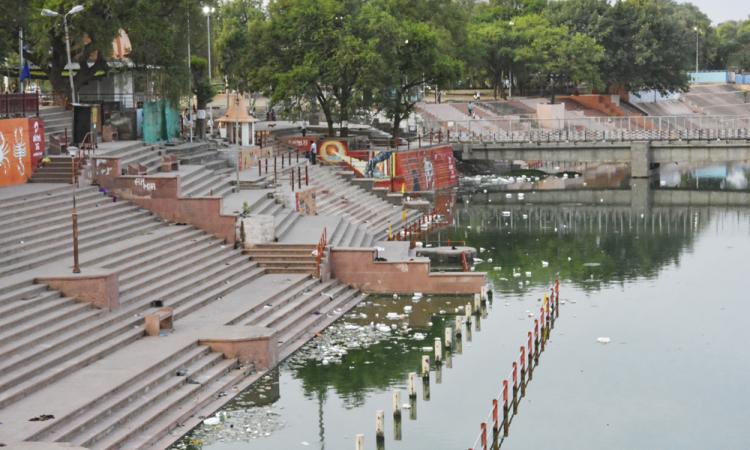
(103, 168)
(305, 202)
(145, 186)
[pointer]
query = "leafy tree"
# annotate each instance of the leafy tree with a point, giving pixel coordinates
(733, 45)
(244, 45)
(201, 85)
(493, 46)
(411, 54)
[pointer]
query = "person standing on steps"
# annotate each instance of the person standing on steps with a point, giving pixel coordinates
(313, 152)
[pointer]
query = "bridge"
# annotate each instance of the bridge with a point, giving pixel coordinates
(638, 140)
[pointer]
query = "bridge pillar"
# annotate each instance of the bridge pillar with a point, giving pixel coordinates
(640, 159)
(641, 196)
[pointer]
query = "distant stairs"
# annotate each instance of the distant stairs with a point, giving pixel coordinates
(59, 170)
(284, 258)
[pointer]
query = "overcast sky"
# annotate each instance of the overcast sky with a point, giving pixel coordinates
(723, 10)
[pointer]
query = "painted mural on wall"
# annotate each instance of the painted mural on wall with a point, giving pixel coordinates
(427, 169)
(21, 148)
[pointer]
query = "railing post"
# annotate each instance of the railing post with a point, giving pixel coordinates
(505, 408)
(299, 177)
(76, 267)
(515, 388)
(307, 178)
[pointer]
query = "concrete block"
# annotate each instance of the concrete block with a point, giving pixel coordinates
(98, 287)
(249, 344)
(640, 159)
(259, 229)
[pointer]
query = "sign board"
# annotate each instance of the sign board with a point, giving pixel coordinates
(21, 148)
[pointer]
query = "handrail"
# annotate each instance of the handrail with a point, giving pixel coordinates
(320, 251)
(464, 262)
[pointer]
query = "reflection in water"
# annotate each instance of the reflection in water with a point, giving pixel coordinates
(718, 176)
(626, 271)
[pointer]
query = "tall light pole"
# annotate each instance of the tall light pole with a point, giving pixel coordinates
(208, 10)
(697, 33)
(74, 10)
(510, 72)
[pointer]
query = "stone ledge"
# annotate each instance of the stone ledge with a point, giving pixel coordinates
(98, 287)
(246, 343)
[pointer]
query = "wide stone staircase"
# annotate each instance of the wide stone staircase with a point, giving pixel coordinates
(37, 228)
(367, 215)
(280, 258)
(59, 170)
(56, 120)
(49, 340)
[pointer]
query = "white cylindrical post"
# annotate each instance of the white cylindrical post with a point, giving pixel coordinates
(359, 442)
(438, 351)
(459, 325)
(412, 385)
(396, 403)
(380, 425)
(448, 337)
(477, 303)
(467, 314)
(425, 366)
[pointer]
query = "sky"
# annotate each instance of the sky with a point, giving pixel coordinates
(722, 10)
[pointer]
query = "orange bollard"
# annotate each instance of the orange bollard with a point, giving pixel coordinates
(505, 408)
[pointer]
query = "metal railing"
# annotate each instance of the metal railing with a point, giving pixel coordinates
(586, 129)
(19, 105)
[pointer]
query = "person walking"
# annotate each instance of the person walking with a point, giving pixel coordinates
(313, 152)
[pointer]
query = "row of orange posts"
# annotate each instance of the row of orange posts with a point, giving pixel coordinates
(527, 360)
(412, 230)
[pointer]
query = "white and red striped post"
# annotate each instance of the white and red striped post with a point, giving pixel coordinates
(483, 439)
(495, 417)
(543, 330)
(536, 341)
(505, 408)
(530, 349)
(515, 388)
(522, 359)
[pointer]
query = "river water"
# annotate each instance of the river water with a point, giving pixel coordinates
(665, 282)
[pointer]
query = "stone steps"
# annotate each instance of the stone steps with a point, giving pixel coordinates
(66, 428)
(149, 423)
(305, 328)
(284, 305)
(60, 198)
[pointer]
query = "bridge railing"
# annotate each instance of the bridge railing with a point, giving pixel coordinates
(594, 129)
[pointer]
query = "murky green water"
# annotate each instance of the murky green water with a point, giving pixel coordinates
(667, 284)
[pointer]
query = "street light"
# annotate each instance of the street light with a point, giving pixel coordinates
(208, 10)
(697, 33)
(74, 10)
(510, 72)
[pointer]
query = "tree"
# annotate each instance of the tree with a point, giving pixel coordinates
(244, 45)
(493, 46)
(556, 56)
(733, 45)
(646, 47)
(201, 85)
(411, 54)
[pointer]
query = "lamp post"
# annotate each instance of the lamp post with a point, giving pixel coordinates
(510, 72)
(208, 10)
(74, 10)
(697, 33)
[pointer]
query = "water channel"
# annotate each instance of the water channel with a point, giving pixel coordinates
(665, 284)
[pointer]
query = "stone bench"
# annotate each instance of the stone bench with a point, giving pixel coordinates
(137, 169)
(169, 163)
(161, 319)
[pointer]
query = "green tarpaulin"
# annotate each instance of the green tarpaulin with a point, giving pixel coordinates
(161, 122)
